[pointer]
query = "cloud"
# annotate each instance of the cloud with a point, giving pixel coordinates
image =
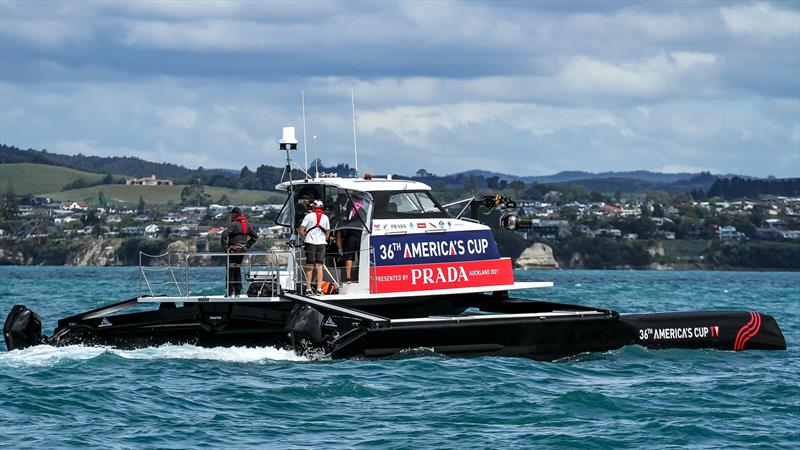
(647, 78)
(48, 34)
(761, 20)
(178, 116)
(520, 87)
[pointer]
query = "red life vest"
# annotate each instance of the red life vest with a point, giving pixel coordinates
(319, 214)
(243, 221)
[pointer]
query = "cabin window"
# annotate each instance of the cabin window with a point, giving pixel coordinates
(345, 209)
(407, 204)
(348, 209)
(411, 202)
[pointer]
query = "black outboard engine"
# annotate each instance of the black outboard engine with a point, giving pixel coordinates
(23, 328)
(304, 326)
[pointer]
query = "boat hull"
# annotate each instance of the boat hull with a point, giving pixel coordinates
(496, 326)
(550, 338)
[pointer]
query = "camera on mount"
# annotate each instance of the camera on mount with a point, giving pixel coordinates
(511, 218)
(512, 221)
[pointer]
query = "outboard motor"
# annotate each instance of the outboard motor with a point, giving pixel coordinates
(304, 326)
(23, 328)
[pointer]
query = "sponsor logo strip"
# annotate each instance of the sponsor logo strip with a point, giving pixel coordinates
(423, 277)
(434, 248)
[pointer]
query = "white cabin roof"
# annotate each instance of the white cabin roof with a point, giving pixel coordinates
(360, 184)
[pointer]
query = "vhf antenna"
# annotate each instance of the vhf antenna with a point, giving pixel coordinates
(305, 141)
(316, 159)
(355, 142)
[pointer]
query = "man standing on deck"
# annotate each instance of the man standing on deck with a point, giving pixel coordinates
(317, 229)
(236, 239)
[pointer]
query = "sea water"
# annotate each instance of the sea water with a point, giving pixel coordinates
(183, 396)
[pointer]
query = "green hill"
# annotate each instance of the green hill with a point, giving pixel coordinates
(162, 195)
(35, 179)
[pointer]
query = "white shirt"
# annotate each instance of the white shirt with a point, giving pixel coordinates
(317, 235)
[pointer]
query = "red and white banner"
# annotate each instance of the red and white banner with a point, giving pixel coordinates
(424, 277)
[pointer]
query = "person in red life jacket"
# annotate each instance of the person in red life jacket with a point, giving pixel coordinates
(317, 229)
(236, 239)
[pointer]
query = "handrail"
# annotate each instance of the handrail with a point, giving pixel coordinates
(274, 270)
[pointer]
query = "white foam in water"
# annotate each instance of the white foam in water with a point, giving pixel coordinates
(228, 354)
(46, 355)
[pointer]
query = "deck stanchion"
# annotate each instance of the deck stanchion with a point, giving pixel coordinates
(373, 267)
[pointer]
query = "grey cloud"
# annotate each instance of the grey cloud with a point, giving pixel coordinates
(544, 85)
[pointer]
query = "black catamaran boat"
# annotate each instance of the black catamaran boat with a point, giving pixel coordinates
(425, 279)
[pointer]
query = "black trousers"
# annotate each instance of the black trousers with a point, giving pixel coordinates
(234, 280)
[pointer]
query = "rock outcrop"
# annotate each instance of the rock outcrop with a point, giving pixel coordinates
(94, 253)
(537, 256)
(11, 257)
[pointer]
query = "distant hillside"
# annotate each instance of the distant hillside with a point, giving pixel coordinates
(162, 195)
(637, 186)
(265, 177)
(123, 165)
(37, 179)
(576, 175)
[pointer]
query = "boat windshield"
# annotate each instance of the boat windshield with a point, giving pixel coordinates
(407, 205)
(345, 209)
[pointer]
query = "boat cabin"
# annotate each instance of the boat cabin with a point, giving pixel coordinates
(406, 245)
(408, 241)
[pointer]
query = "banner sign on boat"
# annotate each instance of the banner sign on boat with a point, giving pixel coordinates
(427, 248)
(425, 277)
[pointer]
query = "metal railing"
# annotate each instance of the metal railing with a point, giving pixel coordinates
(199, 274)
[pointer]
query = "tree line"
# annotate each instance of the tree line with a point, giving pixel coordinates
(738, 187)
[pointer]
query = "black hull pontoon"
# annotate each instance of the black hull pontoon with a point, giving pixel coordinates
(494, 325)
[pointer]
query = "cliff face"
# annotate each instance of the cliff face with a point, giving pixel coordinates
(537, 256)
(10, 256)
(94, 253)
(83, 252)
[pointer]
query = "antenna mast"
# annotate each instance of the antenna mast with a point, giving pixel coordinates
(355, 143)
(289, 143)
(316, 159)
(305, 141)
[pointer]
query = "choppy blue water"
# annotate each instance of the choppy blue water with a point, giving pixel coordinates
(184, 396)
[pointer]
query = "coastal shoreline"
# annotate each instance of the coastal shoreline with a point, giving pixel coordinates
(122, 252)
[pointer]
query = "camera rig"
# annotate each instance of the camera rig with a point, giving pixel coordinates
(510, 219)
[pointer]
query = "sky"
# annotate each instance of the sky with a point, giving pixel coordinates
(525, 88)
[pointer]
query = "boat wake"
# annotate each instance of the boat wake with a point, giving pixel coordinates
(48, 356)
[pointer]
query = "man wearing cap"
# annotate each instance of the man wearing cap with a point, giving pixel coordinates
(236, 239)
(317, 228)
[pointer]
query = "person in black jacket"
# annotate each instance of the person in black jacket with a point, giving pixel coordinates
(236, 239)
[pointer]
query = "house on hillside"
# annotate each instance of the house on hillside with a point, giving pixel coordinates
(63, 220)
(213, 232)
(611, 210)
(185, 231)
(610, 232)
(151, 230)
(273, 231)
(133, 230)
(729, 233)
(660, 221)
(74, 206)
(549, 228)
(148, 181)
